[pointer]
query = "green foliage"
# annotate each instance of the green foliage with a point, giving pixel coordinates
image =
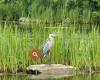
(72, 46)
(10, 11)
(75, 10)
(96, 17)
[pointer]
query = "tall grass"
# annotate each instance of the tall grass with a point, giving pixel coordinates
(72, 46)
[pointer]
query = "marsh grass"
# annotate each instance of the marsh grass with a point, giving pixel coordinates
(73, 46)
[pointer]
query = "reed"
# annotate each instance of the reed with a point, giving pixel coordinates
(73, 46)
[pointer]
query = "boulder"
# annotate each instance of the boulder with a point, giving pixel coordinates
(51, 70)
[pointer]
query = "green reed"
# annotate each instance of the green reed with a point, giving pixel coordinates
(73, 46)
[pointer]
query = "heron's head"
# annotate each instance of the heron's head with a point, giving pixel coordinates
(52, 35)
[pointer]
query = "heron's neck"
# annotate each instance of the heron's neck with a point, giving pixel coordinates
(51, 38)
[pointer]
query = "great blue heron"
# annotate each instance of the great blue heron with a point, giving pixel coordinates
(48, 45)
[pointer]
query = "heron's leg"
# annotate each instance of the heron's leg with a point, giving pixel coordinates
(43, 60)
(49, 58)
(46, 60)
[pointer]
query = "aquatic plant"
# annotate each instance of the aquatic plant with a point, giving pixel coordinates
(73, 46)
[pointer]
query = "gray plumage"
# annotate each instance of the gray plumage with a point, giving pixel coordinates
(48, 45)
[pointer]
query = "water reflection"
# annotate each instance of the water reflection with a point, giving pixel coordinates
(26, 77)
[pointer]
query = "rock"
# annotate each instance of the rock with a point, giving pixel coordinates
(51, 70)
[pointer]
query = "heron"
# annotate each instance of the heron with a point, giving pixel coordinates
(48, 45)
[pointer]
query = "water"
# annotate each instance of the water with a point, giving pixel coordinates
(26, 77)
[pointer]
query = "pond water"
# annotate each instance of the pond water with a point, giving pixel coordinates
(26, 77)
